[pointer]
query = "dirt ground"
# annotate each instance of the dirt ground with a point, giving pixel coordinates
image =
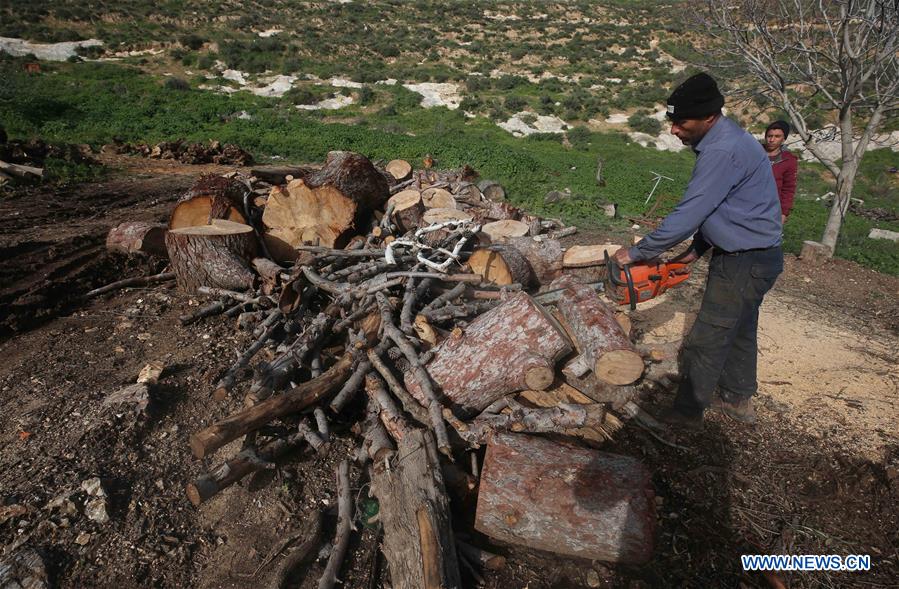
(819, 473)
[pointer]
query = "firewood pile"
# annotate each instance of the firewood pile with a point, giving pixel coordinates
(186, 152)
(445, 321)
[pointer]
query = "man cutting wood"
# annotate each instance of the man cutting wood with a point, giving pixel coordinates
(730, 207)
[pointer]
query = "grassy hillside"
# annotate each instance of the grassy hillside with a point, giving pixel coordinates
(97, 102)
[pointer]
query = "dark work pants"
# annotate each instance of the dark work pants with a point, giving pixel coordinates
(721, 350)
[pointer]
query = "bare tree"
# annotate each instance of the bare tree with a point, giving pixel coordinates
(836, 58)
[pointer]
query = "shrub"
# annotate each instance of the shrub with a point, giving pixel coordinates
(639, 121)
(178, 84)
(515, 103)
(192, 41)
(579, 137)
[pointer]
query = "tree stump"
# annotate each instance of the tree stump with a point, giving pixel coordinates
(399, 169)
(216, 255)
(599, 337)
(437, 198)
(414, 509)
(513, 347)
(137, 237)
(211, 197)
(501, 231)
(501, 264)
(566, 499)
(407, 209)
(325, 207)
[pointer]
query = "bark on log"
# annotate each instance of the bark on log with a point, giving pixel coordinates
(216, 255)
(252, 418)
(815, 253)
(501, 264)
(325, 207)
(414, 509)
(544, 256)
(492, 190)
(279, 174)
(513, 347)
(20, 171)
(565, 393)
(137, 237)
(501, 231)
(566, 499)
(442, 215)
(211, 197)
(599, 336)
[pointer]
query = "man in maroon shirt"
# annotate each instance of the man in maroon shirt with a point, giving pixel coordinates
(784, 165)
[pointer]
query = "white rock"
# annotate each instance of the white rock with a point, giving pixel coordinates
(435, 94)
(93, 487)
(95, 510)
(46, 51)
(883, 234)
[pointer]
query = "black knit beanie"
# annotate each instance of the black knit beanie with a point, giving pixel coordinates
(782, 125)
(695, 98)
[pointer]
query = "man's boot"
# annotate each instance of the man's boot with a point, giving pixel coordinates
(739, 408)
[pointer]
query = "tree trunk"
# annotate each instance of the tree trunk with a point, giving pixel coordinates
(407, 209)
(137, 237)
(326, 207)
(838, 210)
(414, 509)
(510, 348)
(566, 499)
(579, 256)
(399, 169)
(544, 255)
(216, 255)
(211, 197)
(600, 338)
(501, 264)
(252, 418)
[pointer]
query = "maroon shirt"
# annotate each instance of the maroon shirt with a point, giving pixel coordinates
(784, 166)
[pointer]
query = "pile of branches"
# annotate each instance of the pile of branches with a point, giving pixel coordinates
(187, 152)
(25, 160)
(387, 328)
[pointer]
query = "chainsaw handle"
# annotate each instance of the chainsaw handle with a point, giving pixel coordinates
(612, 269)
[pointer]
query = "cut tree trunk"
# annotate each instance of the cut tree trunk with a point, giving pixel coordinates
(511, 348)
(815, 253)
(599, 337)
(501, 231)
(544, 256)
(414, 509)
(216, 255)
(501, 264)
(437, 198)
(407, 209)
(279, 174)
(399, 169)
(566, 499)
(211, 197)
(579, 256)
(137, 237)
(326, 207)
(23, 172)
(567, 394)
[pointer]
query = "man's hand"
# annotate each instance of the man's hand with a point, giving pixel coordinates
(688, 257)
(783, 219)
(622, 256)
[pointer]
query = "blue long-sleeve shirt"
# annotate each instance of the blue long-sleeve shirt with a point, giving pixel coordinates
(731, 201)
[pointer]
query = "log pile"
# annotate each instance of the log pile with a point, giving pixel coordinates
(371, 304)
(186, 152)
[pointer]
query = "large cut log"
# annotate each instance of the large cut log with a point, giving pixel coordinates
(513, 347)
(544, 255)
(216, 255)
(20, 171)
(492, 190)
(278, 174)
(437, 198)
(565, 393)
(501, 264)
(414, 510)
(326, 207)
(407, 209)
(599, 337)
(566, 499)
(252, 418)
(134, 237)
(211, 197)
(500, 231)
(444, 215)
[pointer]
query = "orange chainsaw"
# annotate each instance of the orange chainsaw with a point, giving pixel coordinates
(637, 283)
